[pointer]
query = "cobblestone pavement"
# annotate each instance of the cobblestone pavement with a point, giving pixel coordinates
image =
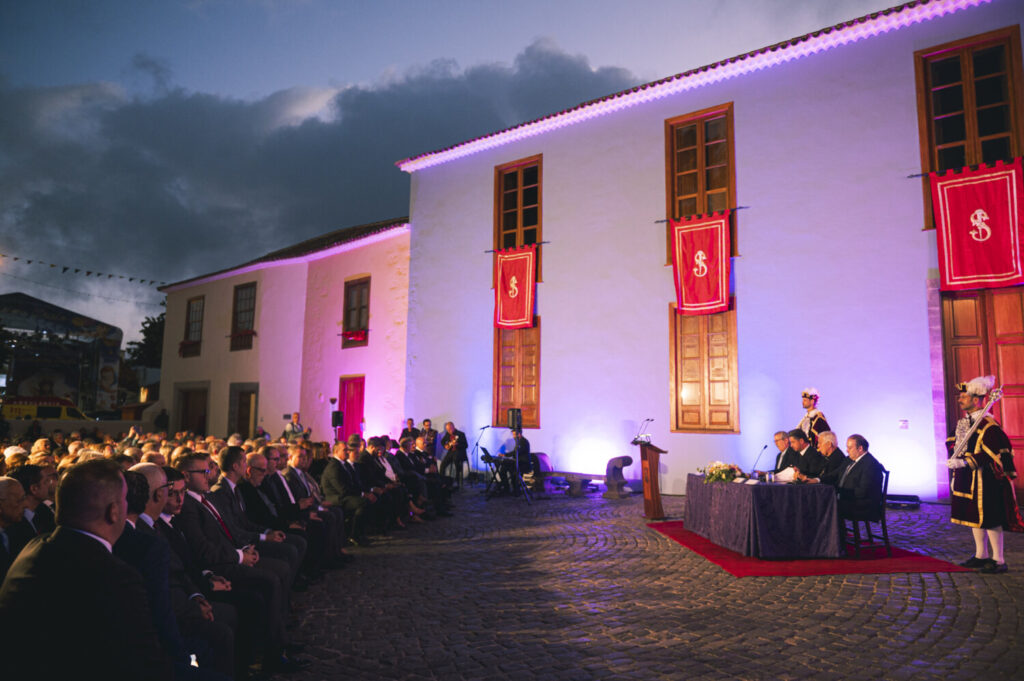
(581, 589)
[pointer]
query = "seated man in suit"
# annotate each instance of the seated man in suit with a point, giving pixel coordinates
(328, 522)
(341, 490)
(12, 506)
(834, 462)
(40, 483)
(72, 578)
(271, 542)
(209, 638)
(784, 459)
(860, 484)
(807, 460)
(198, 596)
(410, 430)
(215, 548)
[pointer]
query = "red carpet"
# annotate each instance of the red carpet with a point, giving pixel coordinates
(872, 561)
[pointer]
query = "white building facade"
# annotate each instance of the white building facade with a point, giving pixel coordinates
(834, 270)
(317, 327)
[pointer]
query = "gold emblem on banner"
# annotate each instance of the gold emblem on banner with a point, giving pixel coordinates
(513, 288)
(701, 270)
(981, 231)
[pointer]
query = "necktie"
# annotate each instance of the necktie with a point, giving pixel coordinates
(845, 473)
(241, 501)
(216, 515)
(302, 480)
(268, 502)
(5, 541)
(284, 483)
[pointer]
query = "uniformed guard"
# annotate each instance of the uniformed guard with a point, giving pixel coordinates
(981, 459)
(813, 423)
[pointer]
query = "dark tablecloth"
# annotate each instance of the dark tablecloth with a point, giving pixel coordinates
(765, 520)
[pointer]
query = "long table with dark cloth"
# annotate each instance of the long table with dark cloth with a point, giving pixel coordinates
(765, 520)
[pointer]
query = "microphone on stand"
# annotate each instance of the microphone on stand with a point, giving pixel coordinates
(758, 458)
(486, 427)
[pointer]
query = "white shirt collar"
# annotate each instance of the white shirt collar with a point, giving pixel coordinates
(146, 519)
(101, 540)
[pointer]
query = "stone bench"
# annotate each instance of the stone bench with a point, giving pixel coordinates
(578, 482)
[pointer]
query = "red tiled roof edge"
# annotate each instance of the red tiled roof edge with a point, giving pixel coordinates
(317, 243)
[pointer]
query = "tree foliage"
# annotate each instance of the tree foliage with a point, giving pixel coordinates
(149, 351)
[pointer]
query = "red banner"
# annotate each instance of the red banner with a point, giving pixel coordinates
(700, 263)
(515, 284)
(978, 214)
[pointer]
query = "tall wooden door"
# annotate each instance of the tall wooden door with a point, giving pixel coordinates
(350, 397)
(983, 333)
(245, 416)
(193, 410)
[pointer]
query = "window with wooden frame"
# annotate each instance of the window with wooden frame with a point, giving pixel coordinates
(705, 393)
(355, 332)
(243, 317)
(192, 343)
(700, 175)
(517, 374)
(517, 222)
(969, 102)
(517, 205)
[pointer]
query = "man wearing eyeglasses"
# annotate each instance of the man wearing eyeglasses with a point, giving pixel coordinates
(215, 548)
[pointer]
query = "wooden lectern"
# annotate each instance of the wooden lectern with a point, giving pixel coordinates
(650, 456)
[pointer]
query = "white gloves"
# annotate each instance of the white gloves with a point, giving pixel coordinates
(953, 464)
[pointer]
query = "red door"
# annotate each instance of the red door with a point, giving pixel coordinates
(350, 396)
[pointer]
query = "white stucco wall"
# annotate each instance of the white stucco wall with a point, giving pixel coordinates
(273, 362)
(382, 360)
(831, 279)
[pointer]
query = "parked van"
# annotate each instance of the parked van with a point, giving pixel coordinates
(31, 408)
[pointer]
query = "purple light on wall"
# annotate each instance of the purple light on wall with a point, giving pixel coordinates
(397, 230)
(826, 39)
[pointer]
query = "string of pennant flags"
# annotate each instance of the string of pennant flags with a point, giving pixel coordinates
(83, 294)
(71, 269)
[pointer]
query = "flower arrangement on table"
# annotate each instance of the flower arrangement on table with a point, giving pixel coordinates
(717, 471)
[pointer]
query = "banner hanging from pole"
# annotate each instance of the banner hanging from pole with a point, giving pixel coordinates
(515, 285)
(978, 217)
(700, 263)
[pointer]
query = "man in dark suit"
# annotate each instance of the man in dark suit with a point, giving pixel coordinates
(276, 487)
(341, 490)
(784, 459)
(39, 483)
(860, 484)
(834, 462)
(327, 522)
(455, 445)
(274, 543)
(807, 460)
(72, 578)
(12, 506)
(429, 436)
(192, 589)
(199, 632)
(215, 548)
(410, 430)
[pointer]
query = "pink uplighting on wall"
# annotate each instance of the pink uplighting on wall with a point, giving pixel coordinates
(397, 230)
(820, 41)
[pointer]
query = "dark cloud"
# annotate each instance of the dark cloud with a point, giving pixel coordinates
(156, 69)
(179, 183)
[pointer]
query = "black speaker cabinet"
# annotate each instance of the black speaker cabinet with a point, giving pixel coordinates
(337, 419)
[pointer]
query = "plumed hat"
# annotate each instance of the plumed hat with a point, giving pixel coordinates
(979, 386)
(811, 393)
